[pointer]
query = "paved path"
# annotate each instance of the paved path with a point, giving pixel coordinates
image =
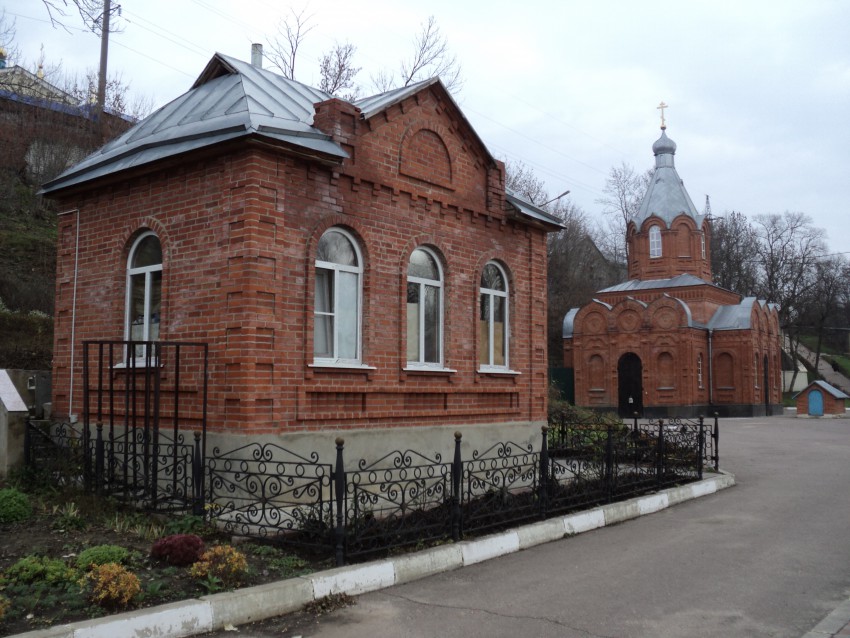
(769, 557)
(835, 379)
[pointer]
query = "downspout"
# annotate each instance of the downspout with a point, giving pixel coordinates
(73, 417)
(710, 369)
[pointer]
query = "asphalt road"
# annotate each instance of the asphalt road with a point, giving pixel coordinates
(768, 557)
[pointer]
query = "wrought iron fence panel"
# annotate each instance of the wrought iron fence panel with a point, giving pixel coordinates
(56, 452)
(401, 499)
(268, 491)
(139, 398)
(500, 486)
(156, 474)
(577, 479)
(634, 465)
(683, 449)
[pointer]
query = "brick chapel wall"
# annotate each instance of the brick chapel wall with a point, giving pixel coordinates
(238, 235)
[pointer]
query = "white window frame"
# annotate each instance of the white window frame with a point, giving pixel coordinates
(702, 244)
(492, 293)
(147, 271)
(423, 283)
(336, 269)
(655, 249)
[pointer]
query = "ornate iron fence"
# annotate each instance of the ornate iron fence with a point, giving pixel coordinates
(402, 498)
(139, 398)
(270, 492)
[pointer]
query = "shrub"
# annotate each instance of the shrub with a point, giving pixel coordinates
(5, 603)
(101, 555)
(178, 549)
(14, 506)
(34, 569)
(111, 586)
(223, 563)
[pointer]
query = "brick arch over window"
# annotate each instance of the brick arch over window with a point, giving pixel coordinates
(425, 155)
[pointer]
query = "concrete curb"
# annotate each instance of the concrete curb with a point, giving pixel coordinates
(830, 626)
(210, 613)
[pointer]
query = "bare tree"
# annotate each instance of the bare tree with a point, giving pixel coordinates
(624, 191)
(520, 178)
(831, 286)
(283, 49)
(788, 251)
(733, 247)
(91, 12)
(119, 99)
(337, 71)
(431, 57)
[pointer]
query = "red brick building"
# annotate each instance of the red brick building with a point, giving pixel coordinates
(669, 342)
(352, 266)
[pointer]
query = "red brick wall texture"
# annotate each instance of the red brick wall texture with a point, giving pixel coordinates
(239, 229)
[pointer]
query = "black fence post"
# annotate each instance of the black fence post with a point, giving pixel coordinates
(339, 486)
(457, 471)
(609, 464)
(544, 471)
(659, 454)
(700, 448)
(28, 460)
(635, 423)
(198, 504)
(98, 459)
(716, 443)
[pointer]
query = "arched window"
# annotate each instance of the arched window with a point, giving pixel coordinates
(702, 244)
(336, 307)
(699, 371)
(493, 318)
(424, 309)
(654, 241)
(144, 291)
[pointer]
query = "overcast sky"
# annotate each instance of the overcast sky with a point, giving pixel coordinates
(758, 91)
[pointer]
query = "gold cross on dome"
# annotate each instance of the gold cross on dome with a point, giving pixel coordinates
(661, 107)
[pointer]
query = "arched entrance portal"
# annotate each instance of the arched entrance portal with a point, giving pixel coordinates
(630, 385)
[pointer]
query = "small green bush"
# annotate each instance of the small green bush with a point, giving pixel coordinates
(5, 604)
(101, 555)
(14, 506)
(39, 569)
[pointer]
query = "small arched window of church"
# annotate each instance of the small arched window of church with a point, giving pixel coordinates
(702, 244)
(699, 371)
(654, 241)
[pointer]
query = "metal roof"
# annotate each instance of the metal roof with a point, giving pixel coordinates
(666, 196)
(530, 210)
(369, 106)
(679, 281)
(230, 99)
(823, 385)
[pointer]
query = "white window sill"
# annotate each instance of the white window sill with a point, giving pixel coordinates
(492, 370)
(138, 364)
(338, 365)
(435, 369)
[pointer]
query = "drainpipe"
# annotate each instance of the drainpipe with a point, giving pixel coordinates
(710, 370)
(73, 417)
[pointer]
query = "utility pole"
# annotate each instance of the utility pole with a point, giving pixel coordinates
(104, 54)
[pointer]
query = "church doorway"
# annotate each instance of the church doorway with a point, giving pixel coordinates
(630, 385)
